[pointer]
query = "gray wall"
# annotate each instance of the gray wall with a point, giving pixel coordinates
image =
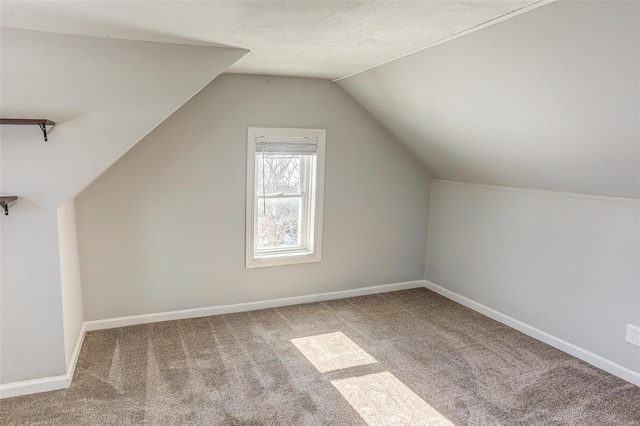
(563, 264)
(163, 229)
(31, 299)
(72, 311)
(549, 99)
(99, 92)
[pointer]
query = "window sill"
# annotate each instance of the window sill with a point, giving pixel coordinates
(279, 259)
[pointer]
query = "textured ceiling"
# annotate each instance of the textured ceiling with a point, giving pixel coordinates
(314, 39)
(549, 99)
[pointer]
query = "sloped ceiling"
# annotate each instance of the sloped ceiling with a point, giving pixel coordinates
(105, 95)
(325, 39)
(549, 100)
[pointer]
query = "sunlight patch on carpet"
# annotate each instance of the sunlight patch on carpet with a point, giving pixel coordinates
(382, 399)
(332, 351)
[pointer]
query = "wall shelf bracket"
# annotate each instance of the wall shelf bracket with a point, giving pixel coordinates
(4, 203)
(41, 122)
(43, 127)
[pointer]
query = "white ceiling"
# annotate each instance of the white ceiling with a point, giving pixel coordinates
(325, 39)
(101, 107)
(548, 100)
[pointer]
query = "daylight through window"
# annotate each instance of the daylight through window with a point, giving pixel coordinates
(284, 196)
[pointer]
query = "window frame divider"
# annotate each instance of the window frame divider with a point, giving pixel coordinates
(311, 205)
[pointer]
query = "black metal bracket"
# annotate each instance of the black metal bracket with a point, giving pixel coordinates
(41, 122)
(4, 203)
(43, 127)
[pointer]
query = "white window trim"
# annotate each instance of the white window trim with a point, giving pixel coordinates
(282, 257)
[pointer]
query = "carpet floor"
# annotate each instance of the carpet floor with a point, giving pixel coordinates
(407, 357)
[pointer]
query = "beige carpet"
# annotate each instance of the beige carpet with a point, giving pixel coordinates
(408, 357)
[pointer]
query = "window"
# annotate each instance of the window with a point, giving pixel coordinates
(285, 180)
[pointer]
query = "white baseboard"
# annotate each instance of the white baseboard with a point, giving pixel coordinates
(64, 381)
(249, 306)
(46, 384)
(576, 351)
(27, 387)
(71, 368)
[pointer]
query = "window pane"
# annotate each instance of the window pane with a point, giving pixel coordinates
(278, 174)
(278, 222)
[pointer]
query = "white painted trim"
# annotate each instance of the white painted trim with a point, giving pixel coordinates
(64, 381)
(312, 238)
(46, 384)
(71, 368)
(576, 351)
(488, 23)
(27, 387)
(249, 306)
(543, 192)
